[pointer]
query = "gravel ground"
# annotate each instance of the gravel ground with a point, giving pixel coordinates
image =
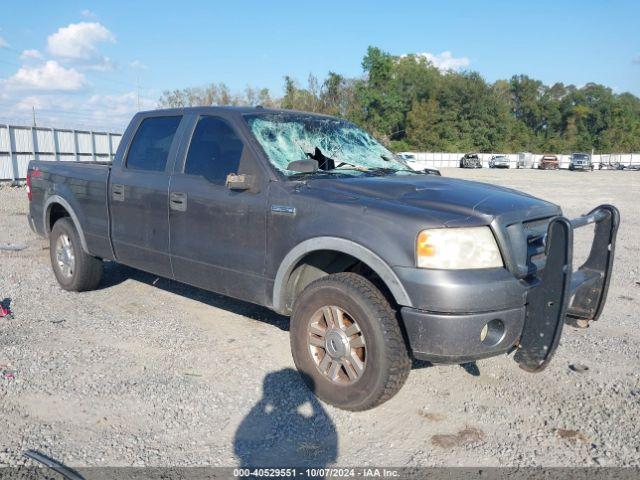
(146, 371)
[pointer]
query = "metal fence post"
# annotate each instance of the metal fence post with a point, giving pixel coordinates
(93, 145)
(110, 145)
(75, 145)
(34, 141)
(54, 141)
(12, 156)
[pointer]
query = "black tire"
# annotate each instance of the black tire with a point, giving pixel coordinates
(87, 270)
(386, 364)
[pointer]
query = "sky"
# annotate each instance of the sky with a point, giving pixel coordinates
(93, 64)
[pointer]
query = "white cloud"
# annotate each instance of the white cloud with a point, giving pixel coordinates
(105, 112)
(105, 64)
(78, 41)
(3, 43)
(31, 54)
(445, 61)
(36, 101)
(137, 64)
(116, 110)
(86, 13)
(126, 103)
(50, 76)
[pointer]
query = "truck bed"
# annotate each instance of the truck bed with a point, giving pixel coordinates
(83, 186)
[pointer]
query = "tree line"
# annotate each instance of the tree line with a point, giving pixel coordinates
(407, 103)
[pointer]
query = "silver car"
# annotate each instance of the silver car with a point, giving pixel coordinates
(499, 161)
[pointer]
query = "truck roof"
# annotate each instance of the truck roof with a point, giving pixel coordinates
(226, 108)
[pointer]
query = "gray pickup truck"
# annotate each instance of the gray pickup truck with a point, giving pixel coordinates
(310, 216)
(580, 161)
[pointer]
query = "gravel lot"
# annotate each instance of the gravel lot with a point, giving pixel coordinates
(146, 371)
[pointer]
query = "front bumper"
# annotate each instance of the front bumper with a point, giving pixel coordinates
(444, 338)
(548, 166)
(515, 314)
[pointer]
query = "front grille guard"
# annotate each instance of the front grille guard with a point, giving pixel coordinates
(563, 295)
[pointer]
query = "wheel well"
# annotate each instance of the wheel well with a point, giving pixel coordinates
(320, 263)
(56, 212)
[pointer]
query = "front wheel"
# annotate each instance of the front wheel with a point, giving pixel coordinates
(347, 343)
(74, 269)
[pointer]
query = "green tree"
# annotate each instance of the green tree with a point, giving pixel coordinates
(409, 104)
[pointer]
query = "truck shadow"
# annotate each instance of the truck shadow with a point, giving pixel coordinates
(115, 274)
(287, 427)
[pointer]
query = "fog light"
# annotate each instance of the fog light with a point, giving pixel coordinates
(492, 333)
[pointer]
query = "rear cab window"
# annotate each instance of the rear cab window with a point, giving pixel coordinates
(151, 144)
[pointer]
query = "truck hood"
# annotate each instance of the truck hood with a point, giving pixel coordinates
(450, 201)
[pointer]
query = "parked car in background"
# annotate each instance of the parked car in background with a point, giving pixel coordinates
(525, 160)
(470, 160)
(548, 162)
(408, 156)
(499, 161)
(580, 161)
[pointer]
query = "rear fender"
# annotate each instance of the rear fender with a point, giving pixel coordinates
(57, 199)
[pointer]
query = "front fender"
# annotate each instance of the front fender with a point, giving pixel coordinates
(377, 264)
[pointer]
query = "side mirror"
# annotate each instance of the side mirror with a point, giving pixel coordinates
(240, 182)
(303, 166)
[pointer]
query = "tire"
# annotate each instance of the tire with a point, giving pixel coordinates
(74, 269)
(384, 358)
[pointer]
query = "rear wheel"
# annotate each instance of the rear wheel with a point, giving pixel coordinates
(347, 343)
(74, 269)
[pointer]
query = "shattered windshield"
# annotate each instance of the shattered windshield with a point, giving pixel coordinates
(337, 145)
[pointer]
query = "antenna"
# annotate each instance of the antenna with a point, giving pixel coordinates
(138, 90)
(33, 108)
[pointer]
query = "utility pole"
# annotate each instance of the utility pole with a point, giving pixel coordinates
(33, 108)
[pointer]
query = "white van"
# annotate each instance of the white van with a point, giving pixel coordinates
(525, 160)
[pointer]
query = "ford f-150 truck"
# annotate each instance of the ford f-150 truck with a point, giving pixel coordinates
(310, 216)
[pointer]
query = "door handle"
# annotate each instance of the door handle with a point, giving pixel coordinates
(178, 201)
(117, 192)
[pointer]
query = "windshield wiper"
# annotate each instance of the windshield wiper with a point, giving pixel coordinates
(386, 170)
(310, 174)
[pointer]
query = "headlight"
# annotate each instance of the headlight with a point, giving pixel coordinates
(457, 248)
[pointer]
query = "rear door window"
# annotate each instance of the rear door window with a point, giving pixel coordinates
(215, 150)
(151, 144)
